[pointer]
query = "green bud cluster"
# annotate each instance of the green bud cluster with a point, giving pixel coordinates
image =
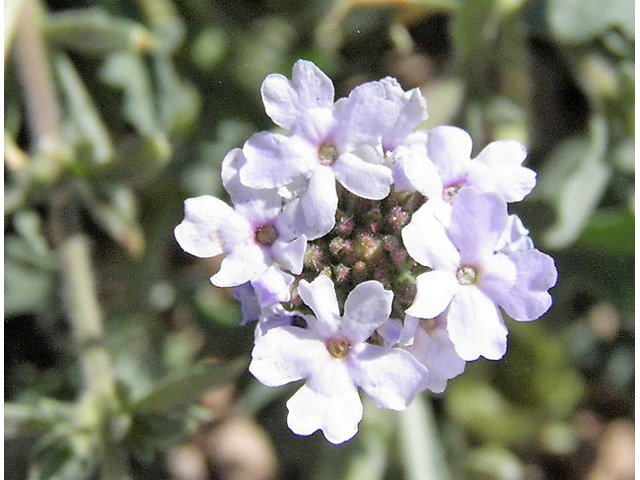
(366, 244)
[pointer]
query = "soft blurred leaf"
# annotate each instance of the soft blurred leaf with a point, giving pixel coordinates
(168, 26)
(209, 48)
(577, 21)
(93, 31)
(482, 410)
(33, 419)
(574, 179)
(494, 462)
(421, 447)
(116, 210)
(30, 267)
(610, 232)
(179, 101)
(128, 72)
(87, 121)
(188, 386)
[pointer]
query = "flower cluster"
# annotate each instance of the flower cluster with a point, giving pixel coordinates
(372, 255)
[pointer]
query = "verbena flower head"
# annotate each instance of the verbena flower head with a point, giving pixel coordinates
(372, 255)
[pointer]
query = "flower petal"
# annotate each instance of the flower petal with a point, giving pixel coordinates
(367, 307)
(426, 240)
(503, 171)
(528, 299)
(475, 325)
(258, 205)
(320, 296)
(245, 263)
(210, 227)
(436, 352)
(290, 254)
(367, 180)
(435, 290)
(285, 100)
(449, 148)
(286, 354)
(390, 376)
(274, 160)
(477, 222)
(313, 213)
(329, 401)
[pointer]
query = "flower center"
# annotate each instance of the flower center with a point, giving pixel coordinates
(327, 154)
(467, 275)
(266, 235)
(450, 192)
(338, 347)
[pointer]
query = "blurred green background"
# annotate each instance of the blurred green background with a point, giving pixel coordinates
(121, 360)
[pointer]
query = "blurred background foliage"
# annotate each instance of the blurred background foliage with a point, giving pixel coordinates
(121, 360)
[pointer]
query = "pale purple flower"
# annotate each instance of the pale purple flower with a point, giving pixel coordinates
(470, 278)
(497, 168)
(333, 357)
(432, 346)
(251, 233)
(341, 140)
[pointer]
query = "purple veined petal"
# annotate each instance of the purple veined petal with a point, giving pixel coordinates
(290, 254)
(320, 296)
(367, 180)
(328, 401)
(274, 160)
(477, 222)
(285, 100)
(243, 264)
(449, 148)
(390, 376)
(502, 162)
(286, 354)
(210, 227)
(313, 213)
(426, 240)
(257, 205)
(435, 291)
(367, 307)
(529, 299)
(475, 325)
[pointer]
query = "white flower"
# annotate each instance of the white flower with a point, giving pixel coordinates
(332, 355)
(469, 278)
(329, 141)
(497, 168)
(251, 233)
(432, 346)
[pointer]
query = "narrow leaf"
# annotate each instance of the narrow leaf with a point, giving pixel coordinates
(188, 386)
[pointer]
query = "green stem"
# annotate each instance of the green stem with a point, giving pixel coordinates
(35, 75)
(99, 396)
(420, 442)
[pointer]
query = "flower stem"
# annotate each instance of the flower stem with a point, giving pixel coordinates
(35, 75)
(421, 446)
(99, 396)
